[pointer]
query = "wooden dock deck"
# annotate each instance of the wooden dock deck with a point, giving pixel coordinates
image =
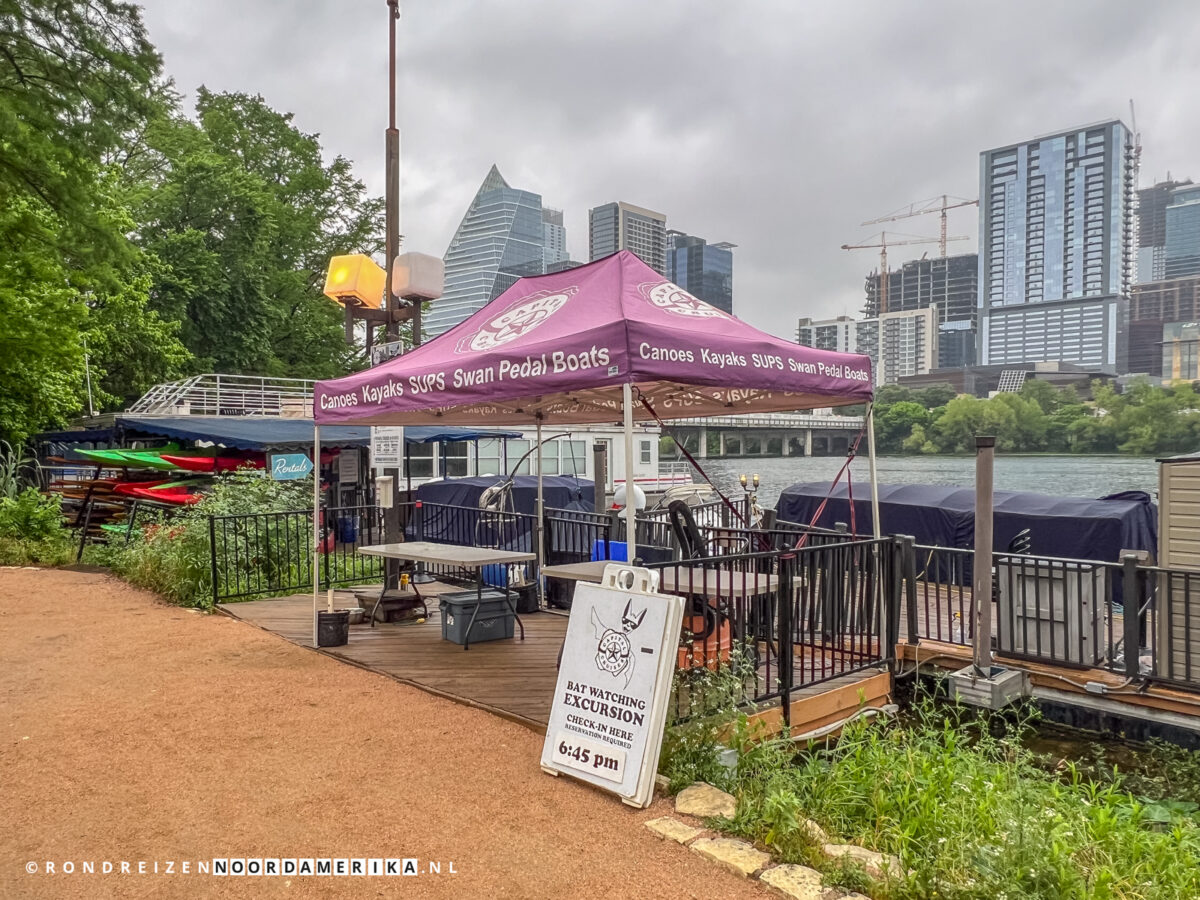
(513, 678)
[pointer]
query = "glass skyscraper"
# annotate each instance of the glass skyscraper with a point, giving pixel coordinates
(1056, 226)
(1182, 251)
(702, 269)
(502, 237)
(554, 238)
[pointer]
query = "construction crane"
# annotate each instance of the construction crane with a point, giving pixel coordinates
(936, 204)
(883, 243)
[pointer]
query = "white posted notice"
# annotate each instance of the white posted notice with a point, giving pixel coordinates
(387, 446)
(610, 704)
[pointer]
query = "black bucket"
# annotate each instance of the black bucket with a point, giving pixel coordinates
(333, 628)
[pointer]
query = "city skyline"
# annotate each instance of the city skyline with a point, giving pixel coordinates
(787, 182)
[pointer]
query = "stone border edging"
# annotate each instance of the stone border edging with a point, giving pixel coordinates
(743, 858)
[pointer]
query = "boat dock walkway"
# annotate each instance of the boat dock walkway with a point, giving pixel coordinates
(512, 678)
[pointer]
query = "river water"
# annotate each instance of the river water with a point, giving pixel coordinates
(1070, 476)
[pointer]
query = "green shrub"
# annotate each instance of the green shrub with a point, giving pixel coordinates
(171, 556)
(708, 717)
(14, 470)
(32, 530)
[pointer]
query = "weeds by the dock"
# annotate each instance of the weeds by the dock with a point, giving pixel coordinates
(971, 813)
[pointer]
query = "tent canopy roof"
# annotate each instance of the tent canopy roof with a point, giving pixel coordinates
(558, 348)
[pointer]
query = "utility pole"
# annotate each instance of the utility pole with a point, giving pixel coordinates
(392, 200)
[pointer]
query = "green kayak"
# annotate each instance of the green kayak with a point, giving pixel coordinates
(108, 457)
(152, 459)
(142, 459)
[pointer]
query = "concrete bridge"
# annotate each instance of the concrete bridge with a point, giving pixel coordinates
(768, 434)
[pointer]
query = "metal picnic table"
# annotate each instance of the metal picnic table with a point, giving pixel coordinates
(476, 558)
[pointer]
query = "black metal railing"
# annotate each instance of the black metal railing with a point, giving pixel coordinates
(1128, 617)
(577, 536)
(267, 554)
(782, 620)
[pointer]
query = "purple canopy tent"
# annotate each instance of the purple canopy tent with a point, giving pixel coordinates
(574, 347)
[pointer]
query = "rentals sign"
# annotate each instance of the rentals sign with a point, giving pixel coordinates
(290, 466)
(610, 705)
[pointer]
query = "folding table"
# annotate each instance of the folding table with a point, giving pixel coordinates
(476, 558)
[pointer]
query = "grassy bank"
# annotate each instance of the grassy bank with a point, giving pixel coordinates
(971, 812)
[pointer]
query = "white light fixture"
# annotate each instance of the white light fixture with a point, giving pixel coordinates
(418, 276)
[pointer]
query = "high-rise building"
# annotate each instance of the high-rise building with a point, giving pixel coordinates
(1182, 250)
(949, 283)
(554, 238)
(702, 269)
(956, 344)
(1153, 305)
(1181, 351)
(502, 237)
(1152, 229)
(828, 334)
(899, 343)
(622, 226)
(1055, 248)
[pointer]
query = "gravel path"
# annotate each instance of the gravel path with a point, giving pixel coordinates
(135, 731)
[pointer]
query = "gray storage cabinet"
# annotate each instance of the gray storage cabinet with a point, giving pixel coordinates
(1050, 611)
(493, 623)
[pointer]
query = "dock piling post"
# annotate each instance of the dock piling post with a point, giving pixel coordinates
(1132, 600)
(981, 593)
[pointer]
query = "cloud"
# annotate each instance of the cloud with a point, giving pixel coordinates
(778, 126)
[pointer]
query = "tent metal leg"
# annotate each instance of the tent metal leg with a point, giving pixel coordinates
(878, 528)
(630, 504)
(541, 518)
(316, 535)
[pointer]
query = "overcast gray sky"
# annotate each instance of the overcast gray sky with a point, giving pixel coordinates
(778, 126)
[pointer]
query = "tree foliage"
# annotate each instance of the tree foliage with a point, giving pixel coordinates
(243, 215)
(157, 244)
(1144, 420)
(76, 81)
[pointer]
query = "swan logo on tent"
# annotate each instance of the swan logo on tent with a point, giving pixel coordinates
(673, 299)
(516, 321)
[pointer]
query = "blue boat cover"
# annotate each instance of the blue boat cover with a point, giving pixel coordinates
(944, 516)
(458, 527)
(255, 433)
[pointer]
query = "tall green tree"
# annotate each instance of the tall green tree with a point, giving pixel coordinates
(243, 214)
(77, 81)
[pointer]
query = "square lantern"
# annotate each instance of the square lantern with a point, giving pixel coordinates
(355, 280)
(418, 276)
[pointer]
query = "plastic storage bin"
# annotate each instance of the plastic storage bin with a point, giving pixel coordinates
(347, 528)
(493, 623)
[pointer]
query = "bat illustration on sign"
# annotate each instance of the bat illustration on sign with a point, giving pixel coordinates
(614, 653)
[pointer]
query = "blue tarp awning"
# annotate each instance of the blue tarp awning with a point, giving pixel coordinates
(253, 433)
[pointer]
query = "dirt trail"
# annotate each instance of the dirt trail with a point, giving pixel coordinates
(135, 731)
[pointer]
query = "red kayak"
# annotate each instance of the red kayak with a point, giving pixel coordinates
(176, 496)
(130, 488)
(214, 463)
